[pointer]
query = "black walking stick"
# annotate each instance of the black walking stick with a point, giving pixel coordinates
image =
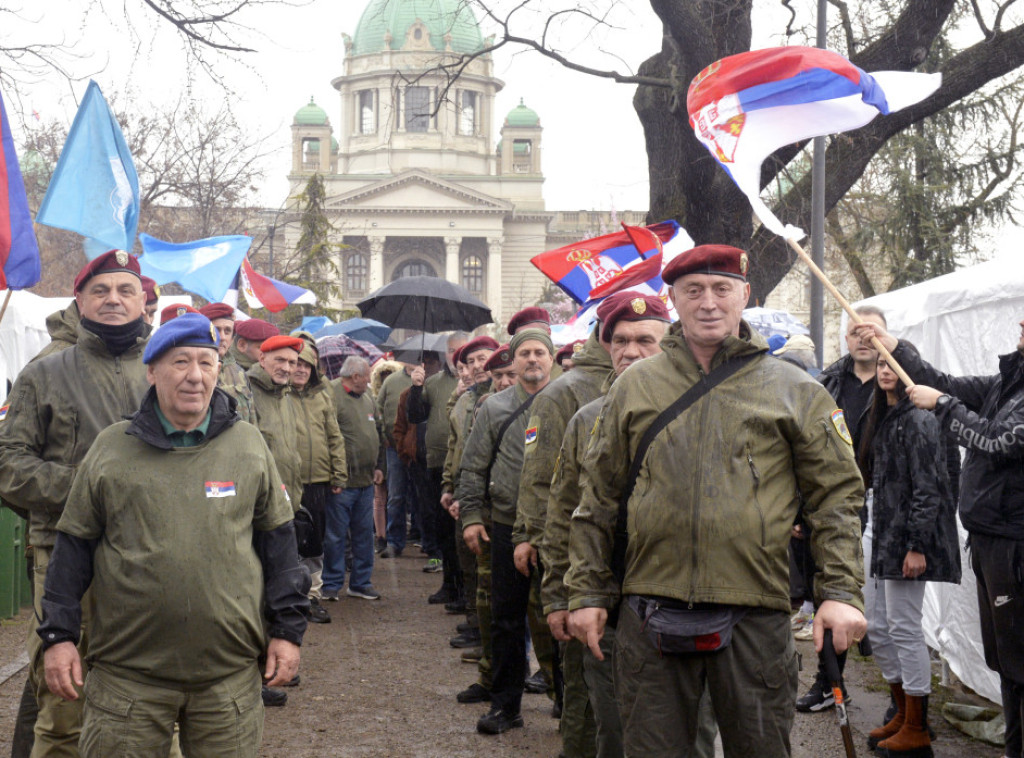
(828, 655)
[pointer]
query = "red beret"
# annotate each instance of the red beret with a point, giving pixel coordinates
(528, 316)
(281, 341)
(610, 303)
(636, 308)
(566, 351)
(110, 262)
(721, 260)
(174, 310)
(500, 358)
(149, 287)
(478, 343)
(255, 330)
(218, 310)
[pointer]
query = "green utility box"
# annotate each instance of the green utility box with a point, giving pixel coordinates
(15, 590)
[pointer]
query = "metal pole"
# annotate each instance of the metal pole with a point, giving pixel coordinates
(818, 219)
(270, 237)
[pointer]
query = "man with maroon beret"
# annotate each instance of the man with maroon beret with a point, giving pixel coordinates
(174, 310)
(56, 409)
(704, 566)
(530, 318)
(149, 286)
(243, 353)
(222, 316)
(565, 353)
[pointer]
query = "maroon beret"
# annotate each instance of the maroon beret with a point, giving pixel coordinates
(255, 330)
(218, 310)
(529, 315)
(610, 303)
(721, 260)
(174, 310)
(636, 308)
(149, 287)
(482, 342)
(500, 358)
(111, 262)
(566, 351)
(281, 341)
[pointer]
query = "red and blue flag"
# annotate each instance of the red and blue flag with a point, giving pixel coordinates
(745, 107)
(19, 251)
(263, 292)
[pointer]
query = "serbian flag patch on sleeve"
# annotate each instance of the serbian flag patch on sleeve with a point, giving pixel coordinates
(531, 435)
(3, 411)
(220, 489)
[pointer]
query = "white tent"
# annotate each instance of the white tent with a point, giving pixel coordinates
(23, 331)
(961, 323)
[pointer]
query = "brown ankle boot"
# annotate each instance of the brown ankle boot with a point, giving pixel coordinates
(912, 740)
(887, 731)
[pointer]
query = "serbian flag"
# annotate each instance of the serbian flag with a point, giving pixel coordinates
(638, 253)
(263, 292)
(19, 252)
(745, 107)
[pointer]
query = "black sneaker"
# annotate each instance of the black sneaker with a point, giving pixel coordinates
(474, 693)
(455, 607)
(497, 721)
(443, 595)
(317, 613)
(536, 684)
(465, 626)
(274, 698)
(819, 698)
(295, 681)
(466, 639)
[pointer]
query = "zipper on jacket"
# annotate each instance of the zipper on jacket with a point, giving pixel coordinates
(757, 485)
(831, 443)
(695, 526)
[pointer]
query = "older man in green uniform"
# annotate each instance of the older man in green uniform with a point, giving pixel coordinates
(172, 637)
(243, 354)
(57, 407)
(730, 436)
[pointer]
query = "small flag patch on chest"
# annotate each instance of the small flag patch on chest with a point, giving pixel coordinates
(839, 422)
(3, 411)
(220, 489)
(531, 435)
(370, 418)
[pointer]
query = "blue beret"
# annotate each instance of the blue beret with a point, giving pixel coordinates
(189, 330)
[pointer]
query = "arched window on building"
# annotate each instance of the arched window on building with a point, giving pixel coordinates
(468, 123)
(367, 117)
(357, 273)
(417, 109)
(413, 268)
(473, 273)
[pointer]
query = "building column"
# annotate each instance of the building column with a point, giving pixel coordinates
(376, 262)
(451, 258)
(494, 289)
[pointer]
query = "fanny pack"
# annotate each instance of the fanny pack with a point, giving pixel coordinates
(674, 628)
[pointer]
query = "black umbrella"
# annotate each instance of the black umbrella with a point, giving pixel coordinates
(426, 303)
(411, 351)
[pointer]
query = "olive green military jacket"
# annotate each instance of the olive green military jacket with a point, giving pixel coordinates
(279, 424)
(709, 518)
(57, 407)
(232, 379)
(481, 497)
(565, 496)
(429, 403)
(321, 446)
(549, 415)
(63, 329)
(460, 422)
(360, 426)
(387, 402)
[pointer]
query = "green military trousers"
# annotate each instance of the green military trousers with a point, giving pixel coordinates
(483, 612)
(752, 684)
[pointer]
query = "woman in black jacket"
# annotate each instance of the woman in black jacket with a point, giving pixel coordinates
(911, 538)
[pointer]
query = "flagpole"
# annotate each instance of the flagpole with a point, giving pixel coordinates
(7, 299)
(849, 309)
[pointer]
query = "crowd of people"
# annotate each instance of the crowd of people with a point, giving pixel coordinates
(644, 509)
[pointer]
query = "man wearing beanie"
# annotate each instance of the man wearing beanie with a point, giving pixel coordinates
(240, 357)
(56, 409)
(705, 445)
(491, 468)
(192, 568)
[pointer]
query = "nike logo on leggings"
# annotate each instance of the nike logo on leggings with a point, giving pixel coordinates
(1001, 600)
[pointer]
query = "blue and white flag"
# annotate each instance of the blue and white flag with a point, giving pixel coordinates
(95, 188)
(207, 267)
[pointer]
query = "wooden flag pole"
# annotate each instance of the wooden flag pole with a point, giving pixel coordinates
(849, 309)
(7, 299)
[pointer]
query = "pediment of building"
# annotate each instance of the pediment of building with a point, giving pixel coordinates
(416, 191)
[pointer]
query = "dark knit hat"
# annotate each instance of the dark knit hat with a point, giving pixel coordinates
(532, 334)
(190, 330)
(720, 260)
(110, 262)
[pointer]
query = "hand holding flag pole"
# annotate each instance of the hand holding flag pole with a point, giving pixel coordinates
(745, 107)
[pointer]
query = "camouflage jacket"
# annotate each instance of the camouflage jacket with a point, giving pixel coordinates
(232, 379)
(489, 483)
(709, 517)
(460, 422)
(549, 415)
(278, 423)
(63, 329)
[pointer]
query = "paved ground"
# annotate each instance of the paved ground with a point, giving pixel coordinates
(381, 681)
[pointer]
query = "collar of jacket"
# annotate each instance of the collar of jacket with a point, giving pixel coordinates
(842, 366)
(481, 388)
(94, 344)
(146, 426)
(259, 376)
(593, 354)
(1010, 367)
(241, 358)
(679, 353)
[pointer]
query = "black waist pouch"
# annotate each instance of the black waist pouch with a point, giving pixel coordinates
(674, 628)
(307, 540)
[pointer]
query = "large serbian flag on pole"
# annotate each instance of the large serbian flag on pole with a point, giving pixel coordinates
(263, 292)
(19, 252)
(744, 107)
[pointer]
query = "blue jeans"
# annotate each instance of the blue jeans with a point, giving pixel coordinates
(349, 512)
(400, 494)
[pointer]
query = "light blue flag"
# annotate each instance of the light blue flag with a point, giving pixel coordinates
(206, 267)
(95, 189)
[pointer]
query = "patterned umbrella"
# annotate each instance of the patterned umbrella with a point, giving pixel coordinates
(336, 348)
(364, 329)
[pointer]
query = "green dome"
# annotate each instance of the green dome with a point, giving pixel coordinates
(311, 115)
(334, 145)
(441, 17)
(522, 116)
